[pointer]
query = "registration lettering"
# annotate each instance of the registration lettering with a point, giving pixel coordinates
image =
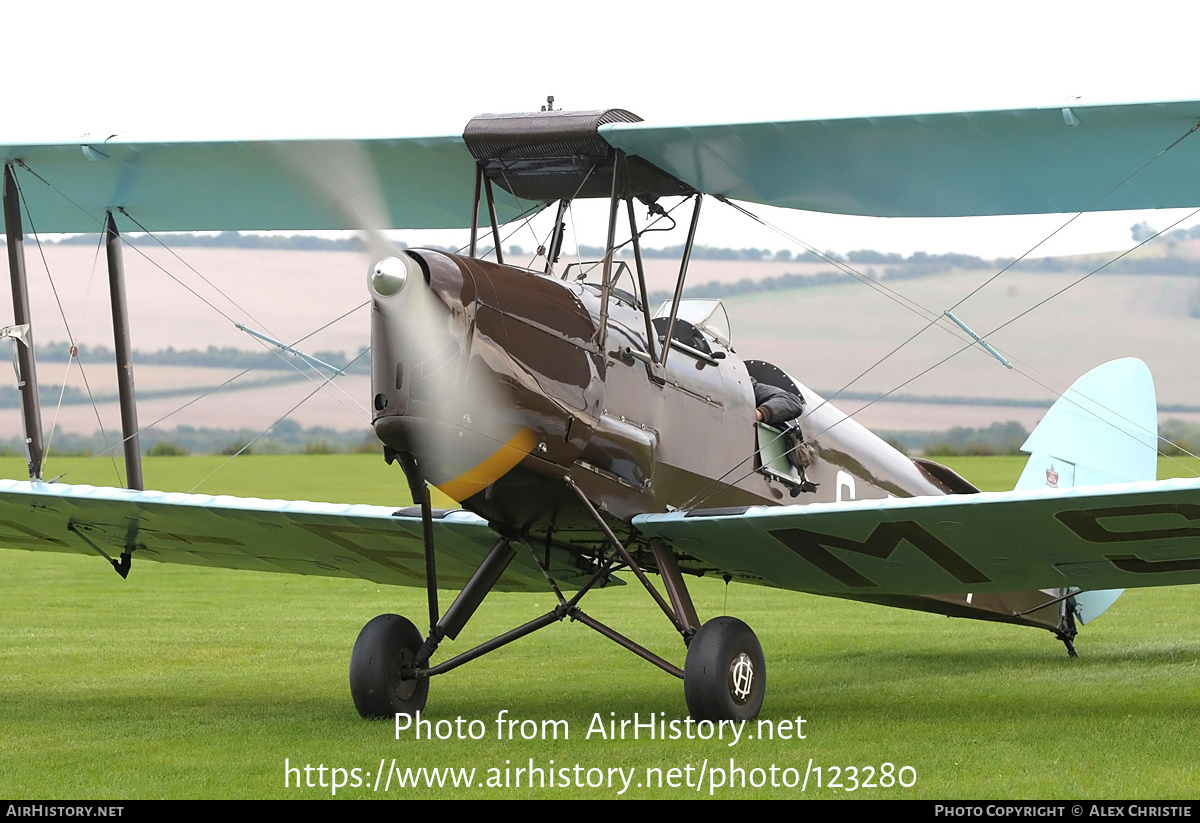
(815, 548)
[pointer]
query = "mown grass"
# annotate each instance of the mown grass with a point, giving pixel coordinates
(190, 682)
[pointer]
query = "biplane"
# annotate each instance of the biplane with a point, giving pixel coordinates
(588, 435)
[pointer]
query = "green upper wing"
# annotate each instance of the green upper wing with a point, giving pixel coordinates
(1017, 161)
(367, 542)
(1103, 537)
(428, 183)
(1020, 161)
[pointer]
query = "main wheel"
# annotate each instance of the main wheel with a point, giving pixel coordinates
(725, 674)
(384, 647)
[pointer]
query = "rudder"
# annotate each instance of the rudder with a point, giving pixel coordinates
(1104, 429)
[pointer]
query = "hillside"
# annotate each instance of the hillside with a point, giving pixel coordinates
(823, 334)
(828, 335)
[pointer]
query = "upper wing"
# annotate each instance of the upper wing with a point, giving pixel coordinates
(1018, 161)
(1021, 161)
(1105, 537)
(368, 542)
(245, 185)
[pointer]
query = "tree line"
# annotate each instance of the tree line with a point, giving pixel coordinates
(225, 357)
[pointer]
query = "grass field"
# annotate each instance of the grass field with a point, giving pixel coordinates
(188, 682)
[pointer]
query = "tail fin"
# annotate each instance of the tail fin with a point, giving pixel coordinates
(1104, 429)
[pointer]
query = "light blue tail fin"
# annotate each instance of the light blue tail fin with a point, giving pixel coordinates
(1104, 429)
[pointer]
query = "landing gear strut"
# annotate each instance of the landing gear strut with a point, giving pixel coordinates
(1068, 631)
(725, 674)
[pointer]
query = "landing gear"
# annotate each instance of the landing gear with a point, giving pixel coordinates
(384, 647)
(1067, 631)
(725, 674)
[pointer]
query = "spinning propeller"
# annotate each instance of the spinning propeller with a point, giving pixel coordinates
(420, 333)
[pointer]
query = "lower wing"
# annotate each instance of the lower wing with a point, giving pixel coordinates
(1104, 537)
(373, 543)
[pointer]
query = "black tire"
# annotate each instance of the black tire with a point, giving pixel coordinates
(384, 646)
(725, 673)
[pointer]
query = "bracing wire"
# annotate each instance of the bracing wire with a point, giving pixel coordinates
(933, 319)
(155, 263)
(170, 414)
(264, 432)
(1018, 316)
(110, 446)
(699, 499)
(306, 371)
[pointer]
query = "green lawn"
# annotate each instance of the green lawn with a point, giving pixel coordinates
(191, 682)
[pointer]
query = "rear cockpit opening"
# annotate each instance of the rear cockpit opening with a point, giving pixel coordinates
(783, 453)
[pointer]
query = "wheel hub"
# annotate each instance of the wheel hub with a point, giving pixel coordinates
(404, 688)
(741, 678)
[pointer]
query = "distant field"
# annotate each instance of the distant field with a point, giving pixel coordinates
(828, 336)
(189, 682)
(341, 406)
(824, 336)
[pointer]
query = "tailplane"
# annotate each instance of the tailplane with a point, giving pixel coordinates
(1104, 429)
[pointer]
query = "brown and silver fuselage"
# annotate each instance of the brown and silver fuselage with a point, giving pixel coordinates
(501, 384)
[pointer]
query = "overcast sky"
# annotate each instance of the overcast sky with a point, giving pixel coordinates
(351, 68)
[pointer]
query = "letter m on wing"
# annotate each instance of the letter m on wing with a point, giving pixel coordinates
(815, 548)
